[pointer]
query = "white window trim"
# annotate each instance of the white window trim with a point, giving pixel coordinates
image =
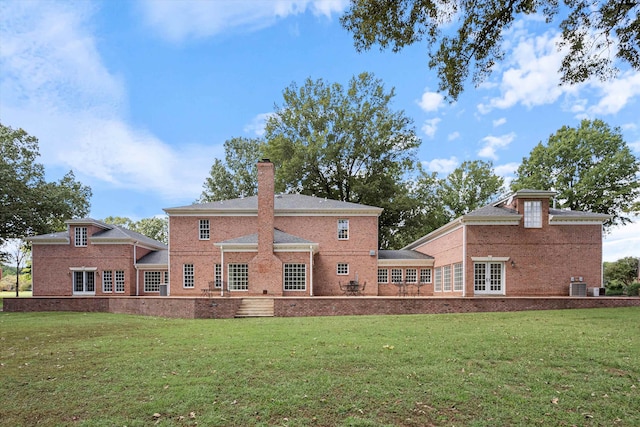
(81, 237)
(338, 269)
(502, 290)
(532, 214)
(116, 283)
(386, 275)
(430, 270)
(202, 229)
(341, 222)
(191, 275)
(295, 265)
(84, 280)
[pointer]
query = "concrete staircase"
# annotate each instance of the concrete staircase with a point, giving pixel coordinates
(255, 307)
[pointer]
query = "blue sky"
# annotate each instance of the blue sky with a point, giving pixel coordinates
(138, 97)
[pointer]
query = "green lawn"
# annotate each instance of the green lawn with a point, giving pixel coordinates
(550, 368)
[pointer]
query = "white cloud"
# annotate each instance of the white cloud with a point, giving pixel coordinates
(453, 136)
(635, 146)
(499, 122)
(615, 94)
(177, 21)
(429, 127)
(55, 85)
(441, 165)
(431, 101)
(494, 143)
(622, 242)
(258, 124)
(506, 170)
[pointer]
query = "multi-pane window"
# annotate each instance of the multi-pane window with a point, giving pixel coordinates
(533, 214)
(238, 277)
(166, 277)
(81, 236)
(488, 277)
(217, 272)
(437, 286)
(446, 278)
(84, 282)
(411, 275)
(425, 275)
(343, 268)
(152, 280)
(107, 281)
(188, 276)
(204, 229)
(396, 275)
(383, 275)
(343, 229)
(119, 281)
(457, 277)
(295, 277)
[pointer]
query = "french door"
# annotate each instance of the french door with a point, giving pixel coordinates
(488, 278)
(84, 282)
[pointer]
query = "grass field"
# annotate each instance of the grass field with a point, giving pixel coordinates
(550, 368)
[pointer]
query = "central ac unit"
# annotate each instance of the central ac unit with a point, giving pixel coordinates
(578, 290)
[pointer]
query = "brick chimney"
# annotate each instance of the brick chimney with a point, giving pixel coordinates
(265, 269)
(266, 196)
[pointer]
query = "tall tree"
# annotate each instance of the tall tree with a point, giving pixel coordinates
(590, 167)
(624, 270)
(28, 203)
(344, 143)
(470, 186)
(238, 175)
(465, 36)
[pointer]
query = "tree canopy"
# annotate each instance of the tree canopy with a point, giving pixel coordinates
(344, 143)
(465, 37)
(624, 271)
(28, 203)
(590, 167)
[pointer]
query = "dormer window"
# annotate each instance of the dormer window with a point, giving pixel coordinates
(533, 214)
(81, 236)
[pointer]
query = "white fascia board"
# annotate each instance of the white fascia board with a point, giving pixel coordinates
(295, 247)
(93, 222)
(330, 212)
(577, 220)
(490, 258)
(238, 247)
(406, 262)
(211, 212)
(152, 266)
(83, 268)
(494, 221)
(49, 241)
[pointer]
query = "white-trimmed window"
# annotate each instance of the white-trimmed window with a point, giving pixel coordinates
(533, 214)
(446, 278)
(295, 277)
(119, 281)
(217, 276)
(437, 286)
(396, 275)
(383, 275)
(238, 277)
(457, 277)
(81, 236)
(84, 282)
(152, 280)
(343, 229)
(204, 229)
(166, 277)
(188, 276)
(343, 269)
(488, 278)
(411, 275)
(425, 275)
(107, 281)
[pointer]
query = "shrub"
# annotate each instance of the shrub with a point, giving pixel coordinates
(633, 290)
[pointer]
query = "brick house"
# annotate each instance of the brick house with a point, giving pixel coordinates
(94, 258)
(519, 246)
(296, 245)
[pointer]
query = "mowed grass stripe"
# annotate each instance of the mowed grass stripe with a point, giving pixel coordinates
(570, 367)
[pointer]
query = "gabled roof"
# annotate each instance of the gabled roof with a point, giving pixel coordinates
(281, 240)
(61, 237)
(563, 216)
(284, 204)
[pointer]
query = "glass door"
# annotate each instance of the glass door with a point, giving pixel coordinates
(488, 278)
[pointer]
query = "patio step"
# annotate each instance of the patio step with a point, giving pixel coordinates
(256, 307)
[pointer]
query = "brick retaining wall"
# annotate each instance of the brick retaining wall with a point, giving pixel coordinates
(219, 308)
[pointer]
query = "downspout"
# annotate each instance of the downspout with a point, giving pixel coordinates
(221, 271)
(464, 260)
(135, 265)
(310, 270)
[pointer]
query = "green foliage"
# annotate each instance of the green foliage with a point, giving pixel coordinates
(156, 228)
(476, 369)
(624, 270)
(344, 143)
(470, 186)
(237, 176)
(466, 37)
(591, 167)
(633, 290)
(28, 204)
